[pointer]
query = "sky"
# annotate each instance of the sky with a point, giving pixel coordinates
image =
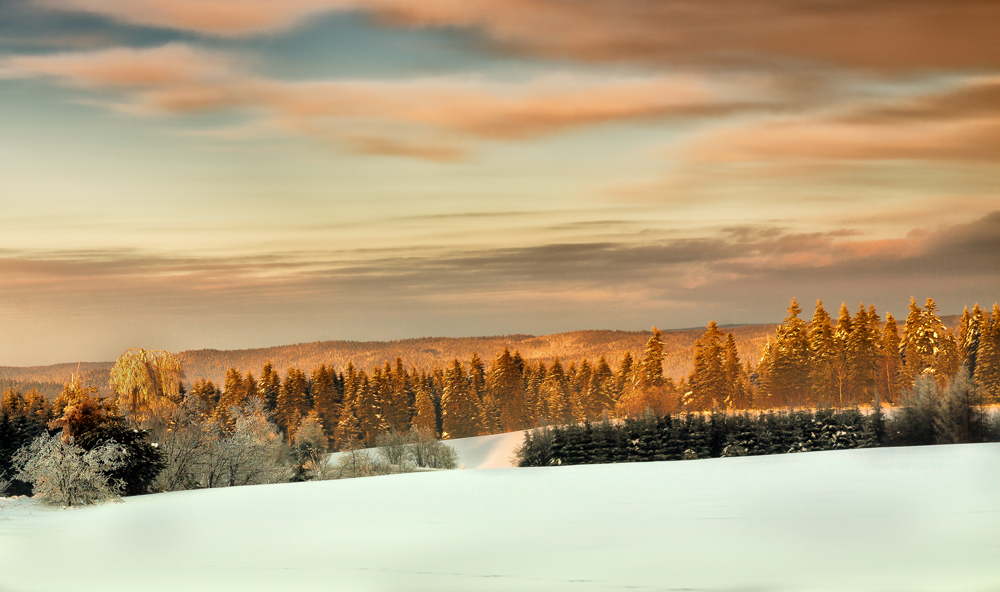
(184, 174)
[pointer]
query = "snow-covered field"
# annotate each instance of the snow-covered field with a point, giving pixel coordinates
(903, 519)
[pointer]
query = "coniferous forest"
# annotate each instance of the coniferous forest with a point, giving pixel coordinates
(820, 383)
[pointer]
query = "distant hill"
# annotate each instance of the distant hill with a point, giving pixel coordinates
(424, 352)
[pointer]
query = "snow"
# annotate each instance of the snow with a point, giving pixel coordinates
(480, 452)
(890, 519)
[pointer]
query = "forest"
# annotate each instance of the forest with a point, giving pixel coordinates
(854, 362)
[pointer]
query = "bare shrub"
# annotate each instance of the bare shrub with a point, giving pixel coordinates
(61, 473)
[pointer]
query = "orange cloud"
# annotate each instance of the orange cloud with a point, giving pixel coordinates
(960, 124)
(431, 114)
(889, 34)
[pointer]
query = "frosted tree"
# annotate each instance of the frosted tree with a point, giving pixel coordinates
(145, 380)
(63, 474)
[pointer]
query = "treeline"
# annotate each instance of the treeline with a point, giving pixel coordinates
(927, 414)
(855, 360)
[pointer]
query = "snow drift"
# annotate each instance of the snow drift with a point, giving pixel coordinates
(878, 519)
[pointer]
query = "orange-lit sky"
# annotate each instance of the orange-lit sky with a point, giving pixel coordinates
(234, 173)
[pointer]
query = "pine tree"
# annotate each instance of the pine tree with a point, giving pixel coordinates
(861, 358)
(348, 430)
(270, 386)
(555, 392)
(841, 336)
(736, 393)
(707, 383)
(822, 358)
(394, 397)
(624, 374)
(489, 411)
(600, 390)
(234, 394)
(293, 401)
(326, 398)
(507, 391)
(459, 410)
(534, 401)
(987, 377)
(892, 362)
(426, 414)
(206, 394)
(790, 360)
(971, 335)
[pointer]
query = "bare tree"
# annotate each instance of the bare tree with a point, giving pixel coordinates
(62, 473)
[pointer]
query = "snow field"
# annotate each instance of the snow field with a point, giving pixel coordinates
(891, 519)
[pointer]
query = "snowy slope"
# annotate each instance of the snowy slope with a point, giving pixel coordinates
(904, 519)
(481, 452)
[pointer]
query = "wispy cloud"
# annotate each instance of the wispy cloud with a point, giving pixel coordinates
(888, 35)
(430, 116)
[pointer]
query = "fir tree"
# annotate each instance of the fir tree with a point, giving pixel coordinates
(624, 374)
(892, 362)
(987, 376)
(426, 415)
(861, 358)
(555, 392)
(790, 360)
(459, 410)
(841, 336)
(270, 387)
(326, 399)
(822, 358)
(507, 390)
(707, 383)
(234, 394)
(293, 401)
(736, 394)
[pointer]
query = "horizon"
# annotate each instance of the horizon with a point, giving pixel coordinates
(231, 175)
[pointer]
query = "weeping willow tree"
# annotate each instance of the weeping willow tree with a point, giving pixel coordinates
(144, 380)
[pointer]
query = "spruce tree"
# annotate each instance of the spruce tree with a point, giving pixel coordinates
(736, 394)
(892, 362)
(861, 358)
(987, 377)
(234, 394)
(707, 383)
(426, 414)
(507, 390)
(600, 391)
(624, 374)
(822, 358)
(326, 398)
(790, 360)
(841, 373)
(459, 410)
(555, 391)
(293, 402)
(270, 386)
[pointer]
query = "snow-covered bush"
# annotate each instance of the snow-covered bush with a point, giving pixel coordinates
(252, 455)
(4, 484)
(199, 453)
(62, 473)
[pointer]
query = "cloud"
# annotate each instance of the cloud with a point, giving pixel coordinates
(961, 123)
(886, 35)
(737, 274)
(422, 117)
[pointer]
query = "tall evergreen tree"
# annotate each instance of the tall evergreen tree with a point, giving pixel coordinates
(790, 360)
(892, 362)
(624, 374)
(600, 391)
(822, 358)
(987, 376)
(426, 414)
(555, 393)
(234, 394)
(861, 358)
(326, 398)
(707, 383)
(507, 391)
(293, 401)
(269, 387)
(841, 373)
(736, 393)
(459, 409)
